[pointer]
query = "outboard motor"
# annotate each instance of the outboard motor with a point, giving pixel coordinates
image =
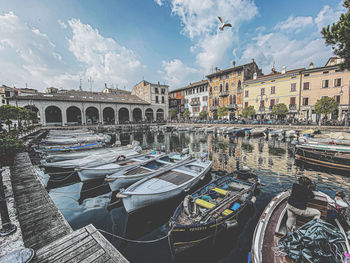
(137, 149)
(185, 151)
(203, 157)
(135, 143)
(162, 148)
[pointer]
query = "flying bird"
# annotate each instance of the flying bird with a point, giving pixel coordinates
(223, 25)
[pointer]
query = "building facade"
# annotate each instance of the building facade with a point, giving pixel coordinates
(154, 94)
(177, 101)
(196, 98)
(265, 91)
(327, 81)
(225, 88)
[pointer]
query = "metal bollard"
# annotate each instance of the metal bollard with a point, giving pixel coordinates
(7, 227)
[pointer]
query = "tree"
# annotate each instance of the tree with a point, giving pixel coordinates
(248, 111)
(338, 35)
(222, 111)
(280, 110)
(186, 113)
(172, 113)
(203, 115)
(326, 105)
(8, 113)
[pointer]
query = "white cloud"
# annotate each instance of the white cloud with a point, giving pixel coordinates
(294, 24)
(159, 2)
(176, 74)
(62, 24)
(103, 58)
(328, 15)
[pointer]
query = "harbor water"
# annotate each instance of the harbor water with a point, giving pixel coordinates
(273, 161)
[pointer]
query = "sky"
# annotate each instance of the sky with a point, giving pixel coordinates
(62, 43)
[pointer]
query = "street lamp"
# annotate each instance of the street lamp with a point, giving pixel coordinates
(348, 109)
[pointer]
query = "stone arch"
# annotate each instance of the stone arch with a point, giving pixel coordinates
(123, 115)
(160, 115)
(92, 114)
(73, 115)
(53, 115)
(149, 115)
(108, 115)
(34, 109)
(137, 115)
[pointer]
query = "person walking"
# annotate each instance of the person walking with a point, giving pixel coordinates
(297, 202)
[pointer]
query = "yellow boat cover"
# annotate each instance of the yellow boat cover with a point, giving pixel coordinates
(208, 205)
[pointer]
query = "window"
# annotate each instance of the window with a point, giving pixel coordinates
(220, 87)
(273, 90)
(226, 86)
(246, 93)
(325, 72)
(306, 86)
(163, 99)
(325, 83)
(306, 75)
(305, 101)
(182, 93)
(156, 90)
(262, 91)
(156, 99)
(210, 90)
(232, 85)
(246, 104)
(292, 100)
(337, 98)
(262, 103)
(239, 73)
(293, 87)
(163, 90)
(337, 82)
(272, 102)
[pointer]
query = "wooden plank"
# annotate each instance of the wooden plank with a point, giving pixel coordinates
(93, 256)
(102, 258)
(81, 252)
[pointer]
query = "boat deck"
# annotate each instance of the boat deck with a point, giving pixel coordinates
(174, 177)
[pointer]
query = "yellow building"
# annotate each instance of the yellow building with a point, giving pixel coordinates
(225, 88)
(327, 81)
(263, 92)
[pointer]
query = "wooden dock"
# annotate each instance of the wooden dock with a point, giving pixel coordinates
(45, 229)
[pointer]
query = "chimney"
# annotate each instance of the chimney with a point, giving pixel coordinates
(233, 64)
(216, 69)
(284, 70)
(105, 85)
(253, 60)
(273, 70)
(158, 83)
(311, 65)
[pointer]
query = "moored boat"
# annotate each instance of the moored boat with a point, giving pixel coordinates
(68, 148)
(164, 185)
(131, 175)
(256, 131)
(275, 133)
(271, 227)
(210, 210)
(91, 138)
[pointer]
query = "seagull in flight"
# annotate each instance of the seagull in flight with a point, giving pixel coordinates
(223, 25)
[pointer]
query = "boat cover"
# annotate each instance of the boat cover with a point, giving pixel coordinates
(316, 241)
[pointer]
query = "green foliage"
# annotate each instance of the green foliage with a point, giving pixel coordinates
(280, 110)
(10, 112)
(203, 115)
(248, 111)
(338, 36)
(9, 146)
(222, 111)
(186, 113)
(326, 105)
(172, 113)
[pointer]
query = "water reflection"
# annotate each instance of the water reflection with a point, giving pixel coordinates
(272, 160)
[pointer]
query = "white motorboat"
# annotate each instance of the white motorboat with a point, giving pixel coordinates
(92, 160)
(164, 185)
(77, 140)
(256, 131)
(290, 134)
(58, 157)
(70, 132)
(131, 175)
(99, 172)
(275, 133)
(229, 130)
(210, 129)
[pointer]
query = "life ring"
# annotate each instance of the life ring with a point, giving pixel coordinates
(332, 142)
(120, 158)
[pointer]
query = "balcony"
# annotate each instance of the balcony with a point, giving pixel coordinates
(262, 108)
(292, 107)
(232, 106)
(223, 93)
(195, 103)
(214, 107)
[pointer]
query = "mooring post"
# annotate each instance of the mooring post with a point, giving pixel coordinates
(7, 227)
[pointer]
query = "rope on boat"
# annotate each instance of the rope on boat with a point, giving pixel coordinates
(140, 241)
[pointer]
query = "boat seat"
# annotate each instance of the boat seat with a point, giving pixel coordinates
(208, 205)
(220, 191)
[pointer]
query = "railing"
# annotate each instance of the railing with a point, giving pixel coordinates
(195, 103)
(232, 106)
(292, 106)
(214, 107)
(223, 93)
